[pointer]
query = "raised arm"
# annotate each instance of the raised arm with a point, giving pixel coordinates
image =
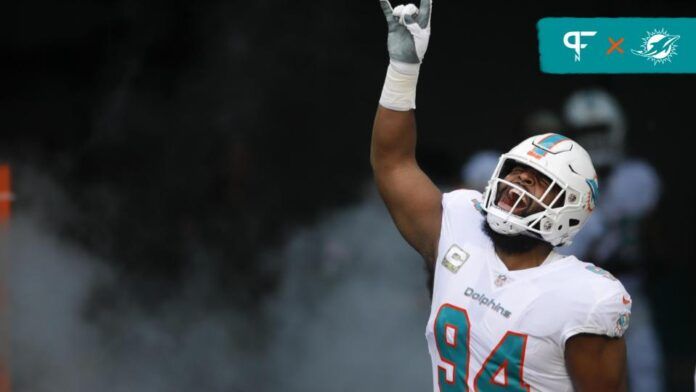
(414, 202)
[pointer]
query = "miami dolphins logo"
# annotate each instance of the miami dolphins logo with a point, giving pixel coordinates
(622, 323)
(594, 193)
(658, 47)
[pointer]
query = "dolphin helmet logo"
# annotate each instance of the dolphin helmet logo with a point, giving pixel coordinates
(659, 47)
(594, 193)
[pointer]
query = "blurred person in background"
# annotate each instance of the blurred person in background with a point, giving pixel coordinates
(614, 237)
(476, 172)
(540, 121)
(508, 312)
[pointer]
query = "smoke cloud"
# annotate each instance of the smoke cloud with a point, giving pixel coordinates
(349, 313)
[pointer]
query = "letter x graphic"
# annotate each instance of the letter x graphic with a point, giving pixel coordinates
(615, 45)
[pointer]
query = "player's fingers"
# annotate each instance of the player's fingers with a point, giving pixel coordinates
(426, 7)
(398, 11)
(408, 20)
(387, 9)
(412, 25)
(403, 11)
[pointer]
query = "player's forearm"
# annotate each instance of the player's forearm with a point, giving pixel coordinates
(393, 139)
(394, 130)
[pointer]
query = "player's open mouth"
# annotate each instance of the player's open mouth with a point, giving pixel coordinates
(509, 198)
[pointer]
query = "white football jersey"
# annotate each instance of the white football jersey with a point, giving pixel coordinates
(493, 329)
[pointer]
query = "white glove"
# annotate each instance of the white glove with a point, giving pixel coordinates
(408, 36)
(407, 43)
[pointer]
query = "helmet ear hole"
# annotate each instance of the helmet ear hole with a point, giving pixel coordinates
(573, 222)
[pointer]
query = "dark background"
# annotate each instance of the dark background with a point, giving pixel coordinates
(230, 125)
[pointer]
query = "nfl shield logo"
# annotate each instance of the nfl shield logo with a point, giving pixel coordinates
(501, 280)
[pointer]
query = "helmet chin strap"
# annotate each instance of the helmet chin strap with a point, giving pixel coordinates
(525, 233)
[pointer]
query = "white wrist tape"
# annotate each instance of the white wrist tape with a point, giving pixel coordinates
(399, 92)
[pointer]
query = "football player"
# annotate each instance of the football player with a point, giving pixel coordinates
(508, 312)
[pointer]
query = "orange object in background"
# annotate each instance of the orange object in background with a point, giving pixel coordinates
(5, 209)
(5, 193)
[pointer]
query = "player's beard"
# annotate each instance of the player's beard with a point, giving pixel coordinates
(512, 244)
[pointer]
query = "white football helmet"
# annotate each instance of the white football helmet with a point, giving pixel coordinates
(569, 169)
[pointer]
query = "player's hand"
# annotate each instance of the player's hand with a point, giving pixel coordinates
(409, 30)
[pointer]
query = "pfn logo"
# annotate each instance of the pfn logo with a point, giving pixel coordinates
(576, 43)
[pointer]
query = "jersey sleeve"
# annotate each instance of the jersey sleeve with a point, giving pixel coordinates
(461, 199)
(608, 315)
(462, 204)
(461, 214)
